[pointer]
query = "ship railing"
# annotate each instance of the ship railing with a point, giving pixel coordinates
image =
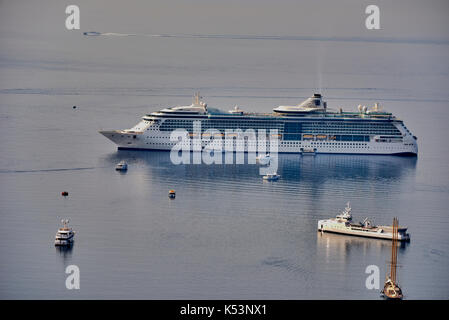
(64, 235)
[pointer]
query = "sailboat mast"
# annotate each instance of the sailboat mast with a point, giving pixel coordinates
(391, 289)
(394, 251)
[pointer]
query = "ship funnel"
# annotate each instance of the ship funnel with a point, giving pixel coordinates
(317, 100)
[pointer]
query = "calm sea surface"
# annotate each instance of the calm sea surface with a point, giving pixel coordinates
(227, 235)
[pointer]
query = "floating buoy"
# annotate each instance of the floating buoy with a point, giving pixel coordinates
(74, 107)
(172, 194)
(64, 193)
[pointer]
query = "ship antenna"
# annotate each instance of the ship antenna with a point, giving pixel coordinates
(197, 98)
(65, 222)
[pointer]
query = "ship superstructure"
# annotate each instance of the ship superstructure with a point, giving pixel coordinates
(310, 125)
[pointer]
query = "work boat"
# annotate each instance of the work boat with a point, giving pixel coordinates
(342, 224)
(65, 235)
(310, 127)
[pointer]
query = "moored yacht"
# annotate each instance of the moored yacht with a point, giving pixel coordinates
(65, 235)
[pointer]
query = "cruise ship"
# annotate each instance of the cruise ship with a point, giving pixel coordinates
(308, 126)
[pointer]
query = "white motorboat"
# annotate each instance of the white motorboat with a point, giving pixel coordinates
(121, 166)
(271, 177)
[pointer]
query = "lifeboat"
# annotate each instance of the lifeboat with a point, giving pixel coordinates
(308, 136)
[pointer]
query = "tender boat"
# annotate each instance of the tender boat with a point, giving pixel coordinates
(342, 224)
(121, 166)
(271, 177)
(65, 235)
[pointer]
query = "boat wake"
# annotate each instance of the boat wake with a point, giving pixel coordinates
(275, 37)
(46, 170)
(290, 266)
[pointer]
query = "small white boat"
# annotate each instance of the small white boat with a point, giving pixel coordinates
(65, 235)
(92, 33)
(121, 166)
(271, 177)
(264, 159)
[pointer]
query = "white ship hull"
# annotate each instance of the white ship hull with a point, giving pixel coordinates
(367, 234)
(161, 141)
(344, 227)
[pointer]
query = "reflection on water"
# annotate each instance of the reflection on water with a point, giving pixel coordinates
(284, 213)
(292, 167)
(349, 176)
(65, 253)
(331, 245)
(65, 256)
(226, 227)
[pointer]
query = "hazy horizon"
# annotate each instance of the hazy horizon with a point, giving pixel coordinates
(409, 19)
